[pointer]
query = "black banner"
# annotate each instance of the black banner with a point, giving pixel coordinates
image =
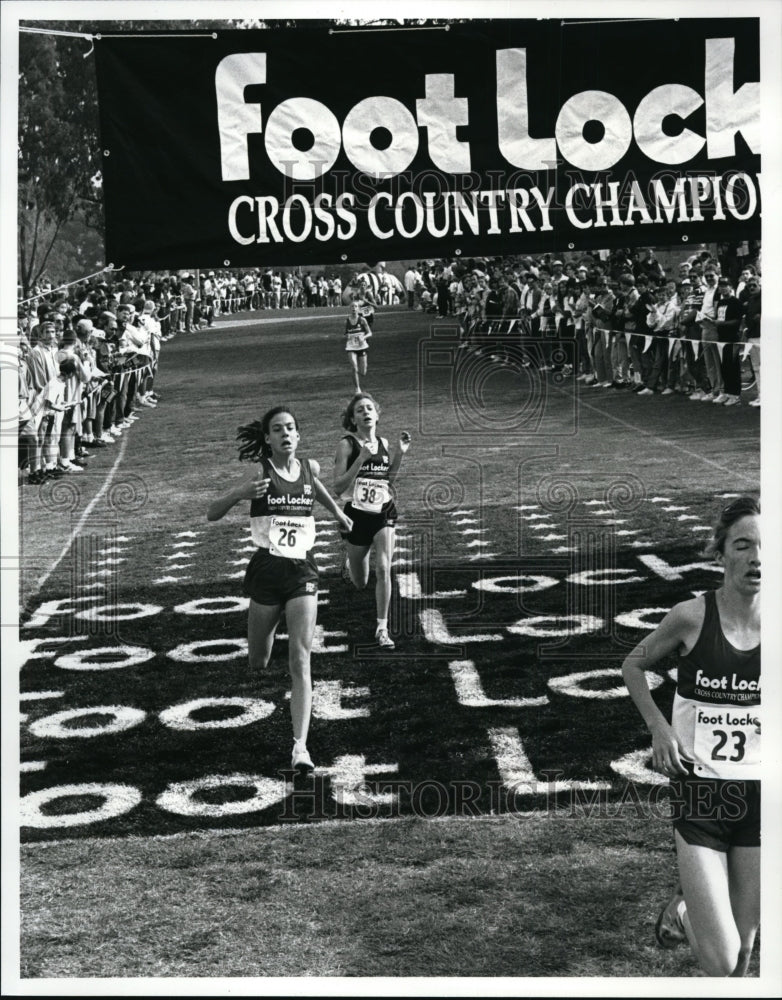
(281, 147)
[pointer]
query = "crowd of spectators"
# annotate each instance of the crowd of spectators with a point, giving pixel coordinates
(634, 325)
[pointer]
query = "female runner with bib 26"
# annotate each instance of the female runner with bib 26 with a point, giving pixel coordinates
(363, 473)
(282, 573)
(711, 750)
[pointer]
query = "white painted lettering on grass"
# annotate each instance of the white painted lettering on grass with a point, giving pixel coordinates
(410, 588)
(116, 800)
(469, 690)
(29, 766)
(213, 606)
(605, 577)
(572, 684)
(202, 651)
(119, 612)
(637, 767)
(640, 618)
(516, 770)
(319, 644)
(248, 710)
(327, 698)
(435, 630)
(521, 584)
(672, 573)
(180, 798)
(552, 626)
(36, 649)
(349, 781)
(40, 695)
(109, 719)
(52, 609)
(105, 658)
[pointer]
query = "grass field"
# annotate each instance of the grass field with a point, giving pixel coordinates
(482, 804)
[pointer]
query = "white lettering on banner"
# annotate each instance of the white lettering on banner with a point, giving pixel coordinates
(121, 717)
(470, 693)
(117, 800)
(516, 770)
(249, 710)
(180, 798)
(440, 113)
(571, 684)
(235, 119)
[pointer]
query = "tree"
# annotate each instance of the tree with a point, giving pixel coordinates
(59, 160)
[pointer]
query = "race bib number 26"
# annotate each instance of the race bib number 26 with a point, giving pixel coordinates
(727, 742)
(291, 537)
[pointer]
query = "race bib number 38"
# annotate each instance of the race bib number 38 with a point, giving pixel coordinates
(727, 742)
(291, 537)
(370, 494)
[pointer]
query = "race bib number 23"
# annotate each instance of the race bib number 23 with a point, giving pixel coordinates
(727, 742)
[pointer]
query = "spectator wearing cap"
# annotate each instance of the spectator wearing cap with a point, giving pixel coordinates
(727, 319)
(663, 319)
(751, 329)
(709, 336)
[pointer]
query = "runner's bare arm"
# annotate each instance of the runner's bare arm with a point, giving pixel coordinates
(250, 488)
(344, 474)
(673, 633)
(323, 497)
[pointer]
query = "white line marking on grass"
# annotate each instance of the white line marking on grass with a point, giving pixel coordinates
(516, 770)
(617, 520)
(484, 555)
(183, 545)
(472, 531)
(638, 544)
(247, 548)
(122, 538)
(187, 534)
(564, 548)
(673, 508)
(538, 517)
(594, 503)
(540, 527)
(82, 520)
(32, 765)
(234, 576)
(700, 527)
(436, 631)
(93, 586)
(172, 579)
(666, 443)
(458, 513)
(527, 506)
(628, 531)
(467, 520)
(729, 496)
(180, 555)
(552, 538)
(40, 695)
(237, 562)
(687, 517)
(659, 499)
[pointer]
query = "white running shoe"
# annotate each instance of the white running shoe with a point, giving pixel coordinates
(667, 391)
(754, 402)
(732, 401)
(382, 638)
(697, 394)
(300, 759)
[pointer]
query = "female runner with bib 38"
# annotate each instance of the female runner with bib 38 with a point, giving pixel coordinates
(711, 750)
(363, 473)
(282, 574)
